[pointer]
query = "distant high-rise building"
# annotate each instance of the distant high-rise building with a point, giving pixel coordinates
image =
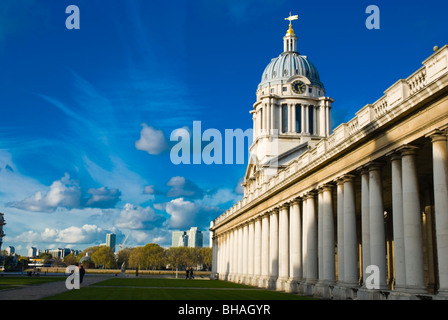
(32, 252)
(111, 239)
(191, 238)
(195, 238)
(11, 250)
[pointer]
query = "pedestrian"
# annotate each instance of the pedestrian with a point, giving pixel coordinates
(187, 273)
(82, 272)
(191, 273)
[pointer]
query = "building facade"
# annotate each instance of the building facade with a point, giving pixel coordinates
(111, 239)
(357, 213)
(192, 238)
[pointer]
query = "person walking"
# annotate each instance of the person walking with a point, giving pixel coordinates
(191, 273)
(187, 273)
(82, 272)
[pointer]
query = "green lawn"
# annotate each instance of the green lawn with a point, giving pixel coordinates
(171, 289)
(10, 282)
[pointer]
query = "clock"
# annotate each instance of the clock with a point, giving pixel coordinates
(298, 87)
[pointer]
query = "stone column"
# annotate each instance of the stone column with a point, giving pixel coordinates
(265, 232)
(320, 234)
(283, 262)
(257, 249)
(295, 246)
(440, 173)
(232, 254)
(227, 255)
(304, 239)
(240, 253)
(397, 220)
(365, 222)
(245, 245)
(273, 250)
(216, 256)
(328, 236)
(413, 247)
(340, 230)
(251, 252)
(350, 242)
(377, 232)
(311, 268)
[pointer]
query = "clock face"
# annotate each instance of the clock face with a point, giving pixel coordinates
(298, 87)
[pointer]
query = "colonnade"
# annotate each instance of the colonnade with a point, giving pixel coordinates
(321, 241)
(301, 118)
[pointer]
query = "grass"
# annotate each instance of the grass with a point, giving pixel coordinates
(171, 289)
(11, 282)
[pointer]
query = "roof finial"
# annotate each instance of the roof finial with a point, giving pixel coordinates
(290, 18)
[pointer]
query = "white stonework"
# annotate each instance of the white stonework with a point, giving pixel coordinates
(319, 207)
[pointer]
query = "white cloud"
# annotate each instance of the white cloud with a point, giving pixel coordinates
(183, 213)
(221, 196)
(85, 234)
(148, 189)
(136, 217)
(64, 193)
(103, 197)
(181, 187)
(151, 140)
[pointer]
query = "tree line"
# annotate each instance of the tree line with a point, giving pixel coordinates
(149, 257)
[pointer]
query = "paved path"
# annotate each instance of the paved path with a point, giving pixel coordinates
(36, 292)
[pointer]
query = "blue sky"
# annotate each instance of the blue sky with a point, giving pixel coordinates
(86, 114)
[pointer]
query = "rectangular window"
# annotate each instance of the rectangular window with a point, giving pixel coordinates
(298, 118)
(284, 118)
(284, 89)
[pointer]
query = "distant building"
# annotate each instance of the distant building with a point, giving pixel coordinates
(11, 250)
(111, 239)
(32, 252)
(191, 238)
(61, 252)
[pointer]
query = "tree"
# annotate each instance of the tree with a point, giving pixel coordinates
(70, 259)
(104, 257)
(206, 257)
(177, 257)
(123, 256)
(154, 256)
(137, 258)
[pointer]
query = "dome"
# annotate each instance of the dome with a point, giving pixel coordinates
(86, 259)
(287, 65)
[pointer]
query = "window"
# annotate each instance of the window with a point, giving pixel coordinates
(310, 90)
(284, 89)
(284, 118)
(311, 119)
(272, 90)
(298, 118)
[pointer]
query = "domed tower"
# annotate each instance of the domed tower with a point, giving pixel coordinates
(291, 113)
